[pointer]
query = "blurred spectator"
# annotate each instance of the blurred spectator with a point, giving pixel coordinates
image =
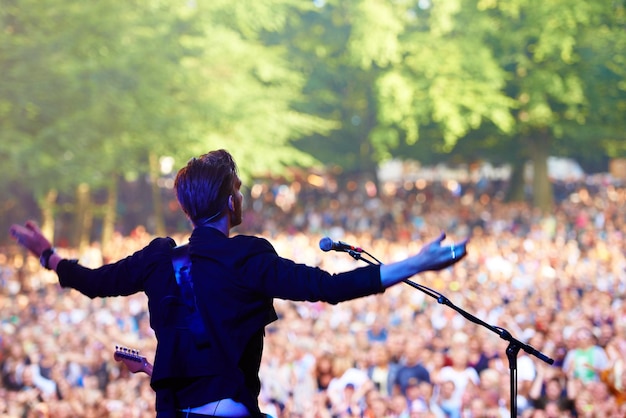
(323, 370)
(399, 406)
(348, 405)
(550, 386)
(376, 405)
(377, 332)
(460, 373)
(585, 358)
(381, 371)
(348, 387)
(444, 401)
(411, 371)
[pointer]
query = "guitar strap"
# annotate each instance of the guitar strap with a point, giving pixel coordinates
(182, 268)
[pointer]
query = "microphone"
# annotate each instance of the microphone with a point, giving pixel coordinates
(327, 244)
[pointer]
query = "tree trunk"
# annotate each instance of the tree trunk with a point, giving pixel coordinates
(110, 215)
(543, 197)
(157, 202)
(48, 208)
(84, 216)
(517, 182)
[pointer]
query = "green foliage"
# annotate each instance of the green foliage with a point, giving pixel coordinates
(339, 83)
(89, 90)
(523, 67)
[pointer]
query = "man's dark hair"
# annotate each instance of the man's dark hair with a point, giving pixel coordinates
(204, 185)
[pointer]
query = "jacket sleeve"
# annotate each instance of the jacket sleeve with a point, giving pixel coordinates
(285, 279)
(121, 278)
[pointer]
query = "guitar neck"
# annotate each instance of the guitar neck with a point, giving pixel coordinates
(147, 369)
(132, 360)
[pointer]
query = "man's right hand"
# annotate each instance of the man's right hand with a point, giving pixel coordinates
(30, 237)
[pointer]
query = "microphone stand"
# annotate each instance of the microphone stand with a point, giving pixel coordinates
(512, 349)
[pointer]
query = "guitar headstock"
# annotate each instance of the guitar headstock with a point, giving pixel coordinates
(132, 360)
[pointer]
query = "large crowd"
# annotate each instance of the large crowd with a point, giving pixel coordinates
(555, 281)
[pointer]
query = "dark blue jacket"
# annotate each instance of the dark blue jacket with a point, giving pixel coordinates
(235, 280)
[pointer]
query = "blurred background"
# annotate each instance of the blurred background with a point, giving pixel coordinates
(101, 103)
(379, 122)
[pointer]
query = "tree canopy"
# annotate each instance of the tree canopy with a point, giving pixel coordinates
(94, 92)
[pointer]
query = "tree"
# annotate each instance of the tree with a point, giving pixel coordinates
(386, 71)
(519, 69)
(107, 88)
(322, 46)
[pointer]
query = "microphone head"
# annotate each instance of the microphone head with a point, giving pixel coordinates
(326, 244)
